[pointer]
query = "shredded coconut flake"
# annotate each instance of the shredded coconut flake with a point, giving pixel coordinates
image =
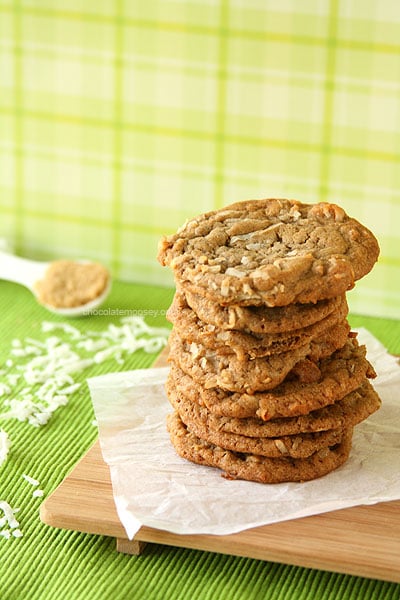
(48, 367)
(8, 518)
(5, 444)
(69, 329)
(5, 533)
(30, 480)
(234, 272)
(37, 493)
(4, 389)
(17, 533)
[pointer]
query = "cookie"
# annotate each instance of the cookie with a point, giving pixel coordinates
(274, 252)
(261, 319)
(253, 467)
(211, 369)
(226, 370)
(349, 411)
(244, 343)
(340, 374)
(297, 446)
(327, 342)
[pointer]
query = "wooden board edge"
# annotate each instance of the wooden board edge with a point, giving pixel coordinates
(52, 516)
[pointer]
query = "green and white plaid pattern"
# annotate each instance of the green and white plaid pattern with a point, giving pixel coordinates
(120, 119)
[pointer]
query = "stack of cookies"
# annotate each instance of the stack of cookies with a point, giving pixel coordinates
(267, 380)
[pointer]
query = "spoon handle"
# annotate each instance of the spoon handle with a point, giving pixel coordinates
(21, 270)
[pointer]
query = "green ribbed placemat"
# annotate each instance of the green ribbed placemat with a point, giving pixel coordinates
(48, 563)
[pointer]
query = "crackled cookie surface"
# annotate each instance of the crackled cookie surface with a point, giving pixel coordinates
(273, 252)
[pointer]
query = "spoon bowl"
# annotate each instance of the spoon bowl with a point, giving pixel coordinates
(28, 272)
(84, 309)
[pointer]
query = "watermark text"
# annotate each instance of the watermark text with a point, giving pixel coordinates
(126, 312)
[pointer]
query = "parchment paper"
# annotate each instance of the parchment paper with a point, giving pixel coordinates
(153, 486)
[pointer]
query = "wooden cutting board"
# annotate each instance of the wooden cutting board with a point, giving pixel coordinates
(362, 540)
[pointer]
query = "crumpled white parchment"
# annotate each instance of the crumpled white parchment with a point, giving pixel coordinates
(153, 486)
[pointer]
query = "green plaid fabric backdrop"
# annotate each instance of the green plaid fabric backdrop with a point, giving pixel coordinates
(120, 119)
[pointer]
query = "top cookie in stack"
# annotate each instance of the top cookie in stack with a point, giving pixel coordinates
(270, 252)
(261, 335)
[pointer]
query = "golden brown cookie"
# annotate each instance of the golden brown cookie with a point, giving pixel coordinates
(272, 251)
(242, 373)
(261, 319)
(340, 374)
(253, 467)
(246, 344)
(297, 446)
(211, 369)
(349, 411)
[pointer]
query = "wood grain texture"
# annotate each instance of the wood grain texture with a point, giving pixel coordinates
(362, 540)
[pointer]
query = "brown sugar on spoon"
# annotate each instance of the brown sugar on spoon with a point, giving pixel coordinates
(69, 284)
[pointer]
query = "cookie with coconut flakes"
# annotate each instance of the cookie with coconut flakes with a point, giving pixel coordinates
(349, 411)
(273, 251)
(244, 343)
(226, 369)
(339, 375)
(253, 467)
(262, 319)
(297, 446)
